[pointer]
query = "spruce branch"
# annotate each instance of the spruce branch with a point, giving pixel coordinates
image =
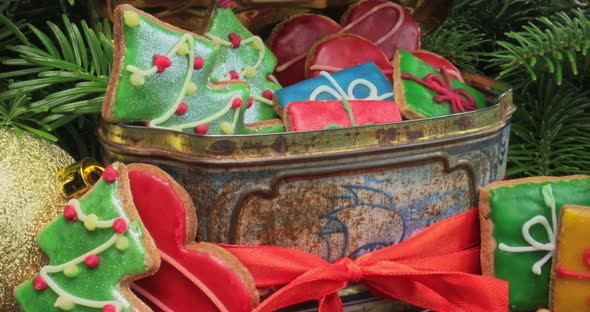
(547, 45)
(456, 42)
(65, 71)
(550, 131)
(16, 114)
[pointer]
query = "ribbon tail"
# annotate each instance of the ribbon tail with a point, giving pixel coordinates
(330, 303)
(322, 283)
(442, 291)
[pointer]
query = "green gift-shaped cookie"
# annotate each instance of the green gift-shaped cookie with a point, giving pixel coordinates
(421, 91)
(519, 220)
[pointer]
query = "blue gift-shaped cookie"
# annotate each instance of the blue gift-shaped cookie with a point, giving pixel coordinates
(361, 82)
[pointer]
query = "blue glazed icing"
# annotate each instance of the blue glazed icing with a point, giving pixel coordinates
(368, 72)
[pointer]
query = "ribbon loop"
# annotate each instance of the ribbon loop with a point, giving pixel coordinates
(354, 272)
(427, 270)
(459, 99)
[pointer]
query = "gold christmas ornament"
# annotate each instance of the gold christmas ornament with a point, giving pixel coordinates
(78, 178)
(29, 199)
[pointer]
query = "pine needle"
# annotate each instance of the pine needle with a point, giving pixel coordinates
(545, 46)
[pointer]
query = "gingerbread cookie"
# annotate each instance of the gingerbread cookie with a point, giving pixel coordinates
(96, 248)
(362, 82)
(384, 23)
(320, 115)
(340, 51)
(570, 282)
(167, 84)
(518, 225)
(243, 57)
(422, 91)
(192, 275)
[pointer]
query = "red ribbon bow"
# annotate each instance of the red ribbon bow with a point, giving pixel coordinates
(436, 269)
(460, 99)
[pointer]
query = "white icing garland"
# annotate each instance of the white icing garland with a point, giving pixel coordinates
(535, 245)
(220, 113)
(188, 39)
(44, 273)
(339, 92)
(252, 40)
(261, 53)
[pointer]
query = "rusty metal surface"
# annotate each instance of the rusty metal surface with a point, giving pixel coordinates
(333, 193)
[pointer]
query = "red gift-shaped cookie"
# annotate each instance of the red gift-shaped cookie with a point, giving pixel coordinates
(319, 115)
(192, 276)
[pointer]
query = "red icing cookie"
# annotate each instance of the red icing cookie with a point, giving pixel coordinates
(291, 40)
(319, 115)
(385, 23)
(340, 51)
(193, 275)
(439, 62)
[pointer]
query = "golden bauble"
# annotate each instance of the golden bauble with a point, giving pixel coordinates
(29, 200)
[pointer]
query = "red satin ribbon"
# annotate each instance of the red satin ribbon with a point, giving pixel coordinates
(460, 99)
(436, 269)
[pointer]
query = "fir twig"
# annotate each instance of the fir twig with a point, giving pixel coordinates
(544, 46)
(15, 113)
(455, 42)
(550, 131)
(72, 66)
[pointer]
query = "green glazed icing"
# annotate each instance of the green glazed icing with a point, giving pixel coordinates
(333, 126)
(420, 98)
(511, 207)
(64, 241)
(223, 22)
(348, 110)
(157, 96)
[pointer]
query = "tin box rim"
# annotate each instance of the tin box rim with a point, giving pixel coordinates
(292, 146)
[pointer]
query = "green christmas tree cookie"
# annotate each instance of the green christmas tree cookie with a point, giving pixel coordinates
(244, 57)
(161, 76)
(421, 91)
(96, 248)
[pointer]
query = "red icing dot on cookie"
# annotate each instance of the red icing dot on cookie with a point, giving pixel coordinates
(70, 213)
(235, 40)
(226, 4)
(202, 129)
(267, 94)
(237, 103)
(110, 175)
(250, 102)
(199, 62)
(162, 62)
(109, 308)
(39, 283)
(92, 261)
(120, 225)
(233, 75)
(181, 109)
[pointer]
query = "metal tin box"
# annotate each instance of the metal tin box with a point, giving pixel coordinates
(333, 193)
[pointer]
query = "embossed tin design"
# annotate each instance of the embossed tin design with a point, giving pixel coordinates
(333, 193)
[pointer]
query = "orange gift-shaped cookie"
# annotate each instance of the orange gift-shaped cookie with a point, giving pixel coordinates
(570, 285)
